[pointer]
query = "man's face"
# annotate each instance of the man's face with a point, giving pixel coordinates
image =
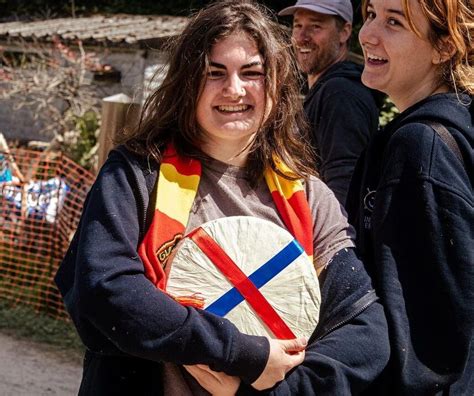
(318, 40)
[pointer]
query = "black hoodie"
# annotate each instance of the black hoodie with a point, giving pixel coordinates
(129, 327)
(343, 114)
(412, 204)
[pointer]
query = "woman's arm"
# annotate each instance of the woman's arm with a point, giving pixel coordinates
(350, 347)
(219, 383)
(423, 232)
(117, 310)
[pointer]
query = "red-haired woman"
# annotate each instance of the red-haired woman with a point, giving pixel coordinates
(412, 199)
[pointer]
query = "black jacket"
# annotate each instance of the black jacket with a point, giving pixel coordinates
(343, 115)
(128, 326)
(411, 201)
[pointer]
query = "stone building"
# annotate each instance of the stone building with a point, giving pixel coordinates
(128, 47)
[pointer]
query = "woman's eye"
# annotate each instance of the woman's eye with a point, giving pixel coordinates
(370, 15)
(393, 22)
(253, 74)
(215, 73)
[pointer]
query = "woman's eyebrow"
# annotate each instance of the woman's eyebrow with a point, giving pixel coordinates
(252, 64)
(246, 66)
(217, 65)
(388, 10)
(396, 11)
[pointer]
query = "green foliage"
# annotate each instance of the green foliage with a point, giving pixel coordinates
(387, 112)
(82, 147)
(24, 322)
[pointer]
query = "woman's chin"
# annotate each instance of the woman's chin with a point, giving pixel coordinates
(372, 83)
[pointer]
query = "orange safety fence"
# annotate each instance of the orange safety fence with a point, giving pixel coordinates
(41, 199)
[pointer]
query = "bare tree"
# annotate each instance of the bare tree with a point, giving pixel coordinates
(55, 83)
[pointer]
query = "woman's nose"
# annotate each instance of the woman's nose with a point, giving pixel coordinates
(234, 87)
(369, 33)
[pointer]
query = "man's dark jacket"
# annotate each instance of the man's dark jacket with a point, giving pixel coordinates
(343, 114)
(411, 201)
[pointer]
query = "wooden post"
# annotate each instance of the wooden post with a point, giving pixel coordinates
(118, 112)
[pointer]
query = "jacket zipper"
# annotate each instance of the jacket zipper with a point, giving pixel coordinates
(348, 318)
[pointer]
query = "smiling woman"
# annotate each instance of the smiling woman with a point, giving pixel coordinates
(412, 195)
(387, 39)
(202, 66)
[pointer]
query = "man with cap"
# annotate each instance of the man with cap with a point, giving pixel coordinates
(341, 111)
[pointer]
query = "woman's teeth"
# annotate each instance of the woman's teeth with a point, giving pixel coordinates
(233, 109)
(376, 59)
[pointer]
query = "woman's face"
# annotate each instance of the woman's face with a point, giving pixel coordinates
(397, 61)
(231, 106)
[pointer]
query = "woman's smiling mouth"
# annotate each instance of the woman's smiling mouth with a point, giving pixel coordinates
(233, 108)
(376, 60)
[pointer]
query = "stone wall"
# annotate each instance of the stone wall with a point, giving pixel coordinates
(19, 123)
(135, 67)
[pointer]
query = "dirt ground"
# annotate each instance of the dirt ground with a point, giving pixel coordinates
(32, 369)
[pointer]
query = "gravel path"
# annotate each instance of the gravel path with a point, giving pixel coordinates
(32, 369)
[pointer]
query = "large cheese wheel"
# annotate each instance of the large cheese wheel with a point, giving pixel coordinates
(270, 258)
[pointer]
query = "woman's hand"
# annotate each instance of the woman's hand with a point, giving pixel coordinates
(284, 355)
(216, 383)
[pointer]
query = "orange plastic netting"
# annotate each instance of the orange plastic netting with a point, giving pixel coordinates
(41, 198)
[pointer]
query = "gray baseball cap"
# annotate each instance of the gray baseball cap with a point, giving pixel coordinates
(343, 8)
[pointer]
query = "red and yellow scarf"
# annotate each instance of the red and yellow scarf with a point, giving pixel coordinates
(178, 183)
